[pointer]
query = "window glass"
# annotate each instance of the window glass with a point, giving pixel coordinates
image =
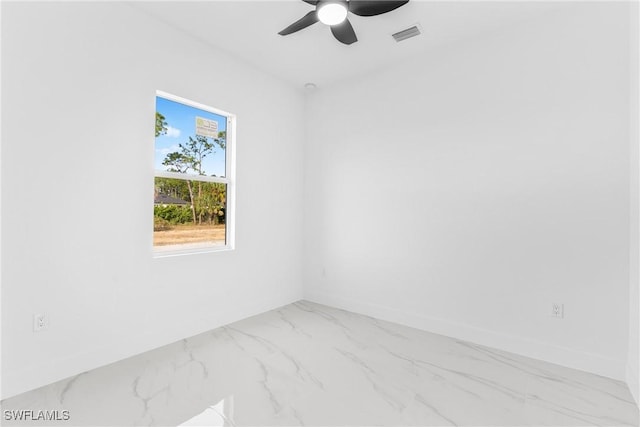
(191, 184)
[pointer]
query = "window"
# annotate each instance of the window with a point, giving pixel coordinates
(193, 188)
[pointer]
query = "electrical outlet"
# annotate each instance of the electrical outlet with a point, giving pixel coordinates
(557, 310)
(40, 322)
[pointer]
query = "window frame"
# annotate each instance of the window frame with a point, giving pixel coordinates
(228, 179)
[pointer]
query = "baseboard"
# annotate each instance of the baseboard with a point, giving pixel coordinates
(18, 382)
(633, 381)
(547, 352)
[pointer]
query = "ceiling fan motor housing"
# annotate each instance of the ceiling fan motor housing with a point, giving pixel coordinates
(321, 3)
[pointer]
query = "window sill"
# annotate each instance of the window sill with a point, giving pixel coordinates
(189, 249)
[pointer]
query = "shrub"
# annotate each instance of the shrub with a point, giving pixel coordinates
(174, 214)
(161, 224)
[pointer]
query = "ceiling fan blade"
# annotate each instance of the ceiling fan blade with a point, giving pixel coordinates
(344, 32)
(308, 19)
(313, 2)
(374, 7)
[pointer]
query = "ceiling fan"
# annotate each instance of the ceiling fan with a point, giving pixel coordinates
(334, 13)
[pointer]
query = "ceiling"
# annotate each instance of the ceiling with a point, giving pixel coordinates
(249, 31)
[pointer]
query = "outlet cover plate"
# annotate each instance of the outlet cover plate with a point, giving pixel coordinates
(557, 310)
(39, 322)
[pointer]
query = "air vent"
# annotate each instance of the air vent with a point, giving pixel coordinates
(407, 34)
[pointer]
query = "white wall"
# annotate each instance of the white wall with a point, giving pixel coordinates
(78, 102)
(633, 359)
(466, 190)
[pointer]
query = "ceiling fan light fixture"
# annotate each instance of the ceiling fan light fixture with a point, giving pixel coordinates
(332, 13)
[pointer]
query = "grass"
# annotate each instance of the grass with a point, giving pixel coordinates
(189, 233)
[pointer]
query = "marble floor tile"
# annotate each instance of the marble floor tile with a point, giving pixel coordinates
(311, 365)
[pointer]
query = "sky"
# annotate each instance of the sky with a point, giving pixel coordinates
(181, 124)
